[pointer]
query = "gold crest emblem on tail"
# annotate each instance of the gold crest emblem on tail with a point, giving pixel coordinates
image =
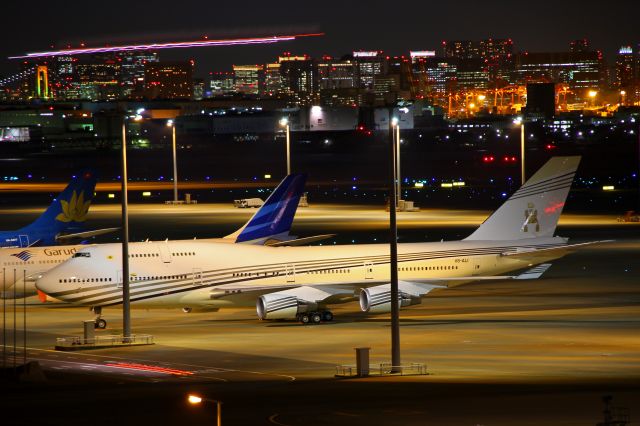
(531, 218)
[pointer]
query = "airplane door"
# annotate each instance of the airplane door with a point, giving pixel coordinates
(24, 240)
(197, 276)
(119, 278)
(476, 269)
(290, 272)
(368, 270)
(165, 253)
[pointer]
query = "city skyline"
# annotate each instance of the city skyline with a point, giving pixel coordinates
(548, 27)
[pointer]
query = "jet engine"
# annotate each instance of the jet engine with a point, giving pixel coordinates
(280, 306)
(377, 300)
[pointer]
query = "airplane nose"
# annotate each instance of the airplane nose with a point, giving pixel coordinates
(44, 283)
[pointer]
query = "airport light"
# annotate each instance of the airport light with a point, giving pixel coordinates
(126, 301)
(592, 94)
(284, 122)
(393, 255)
(196, 400)
(395, 123)
(172, 124)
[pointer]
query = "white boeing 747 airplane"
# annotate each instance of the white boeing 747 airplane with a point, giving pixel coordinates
(301, 282)
(269, 225)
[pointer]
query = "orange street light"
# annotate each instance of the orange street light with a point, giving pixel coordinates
(196, 400)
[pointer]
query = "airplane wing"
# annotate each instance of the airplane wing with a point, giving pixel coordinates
(86, 234)
(300, 241)
(354, 286)
(537, 253)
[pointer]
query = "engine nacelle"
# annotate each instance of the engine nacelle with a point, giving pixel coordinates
(377, 300)
(279, 306)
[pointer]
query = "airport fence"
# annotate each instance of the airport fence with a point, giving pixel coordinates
(110, 340)
(383, 369)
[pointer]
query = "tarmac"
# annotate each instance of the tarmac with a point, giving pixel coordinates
(540, 352)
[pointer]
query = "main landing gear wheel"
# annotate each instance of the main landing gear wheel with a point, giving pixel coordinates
(315, 317)
(327, 316)
(101, 324)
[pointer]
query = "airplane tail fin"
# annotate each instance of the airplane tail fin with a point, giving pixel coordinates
(533, 210)
(275, 216)
(68, 210)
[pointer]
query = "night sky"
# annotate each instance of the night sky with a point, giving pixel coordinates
(392, 26)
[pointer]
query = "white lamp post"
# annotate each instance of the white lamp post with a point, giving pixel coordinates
(395, 122)
(195, 400)
(284, 122)
(172, 124)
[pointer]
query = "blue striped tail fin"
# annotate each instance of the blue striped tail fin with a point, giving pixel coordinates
(275, 216)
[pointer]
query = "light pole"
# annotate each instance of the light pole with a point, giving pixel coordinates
(520, 121)
(195, 400)
(284, 122)
(126, 300)
(171, 124)
(393, 255)
(395, 123)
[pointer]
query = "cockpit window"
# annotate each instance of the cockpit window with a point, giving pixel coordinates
(82, 254)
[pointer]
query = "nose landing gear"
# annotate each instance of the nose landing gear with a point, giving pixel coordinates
(100, 323)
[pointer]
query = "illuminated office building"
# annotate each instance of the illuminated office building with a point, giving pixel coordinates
(461, 49)
(472, 74)
(168, 80)
(98, 81)
(497, 55)
(300, 78)
(273, 83)
(132, 66)
(627, 74)
(420, 55)
(248, 79)
(369, 64)
(220, 84)
(336, 74)
(582, 71)
(337, 82)
(441, 75)
(385, 84)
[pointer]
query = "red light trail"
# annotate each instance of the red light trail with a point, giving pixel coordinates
(172, 45)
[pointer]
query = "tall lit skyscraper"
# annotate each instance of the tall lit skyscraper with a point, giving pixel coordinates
(248, 79)
(168, 80)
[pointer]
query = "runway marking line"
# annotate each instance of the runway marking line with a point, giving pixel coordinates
(291, 378)
(272, 419)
